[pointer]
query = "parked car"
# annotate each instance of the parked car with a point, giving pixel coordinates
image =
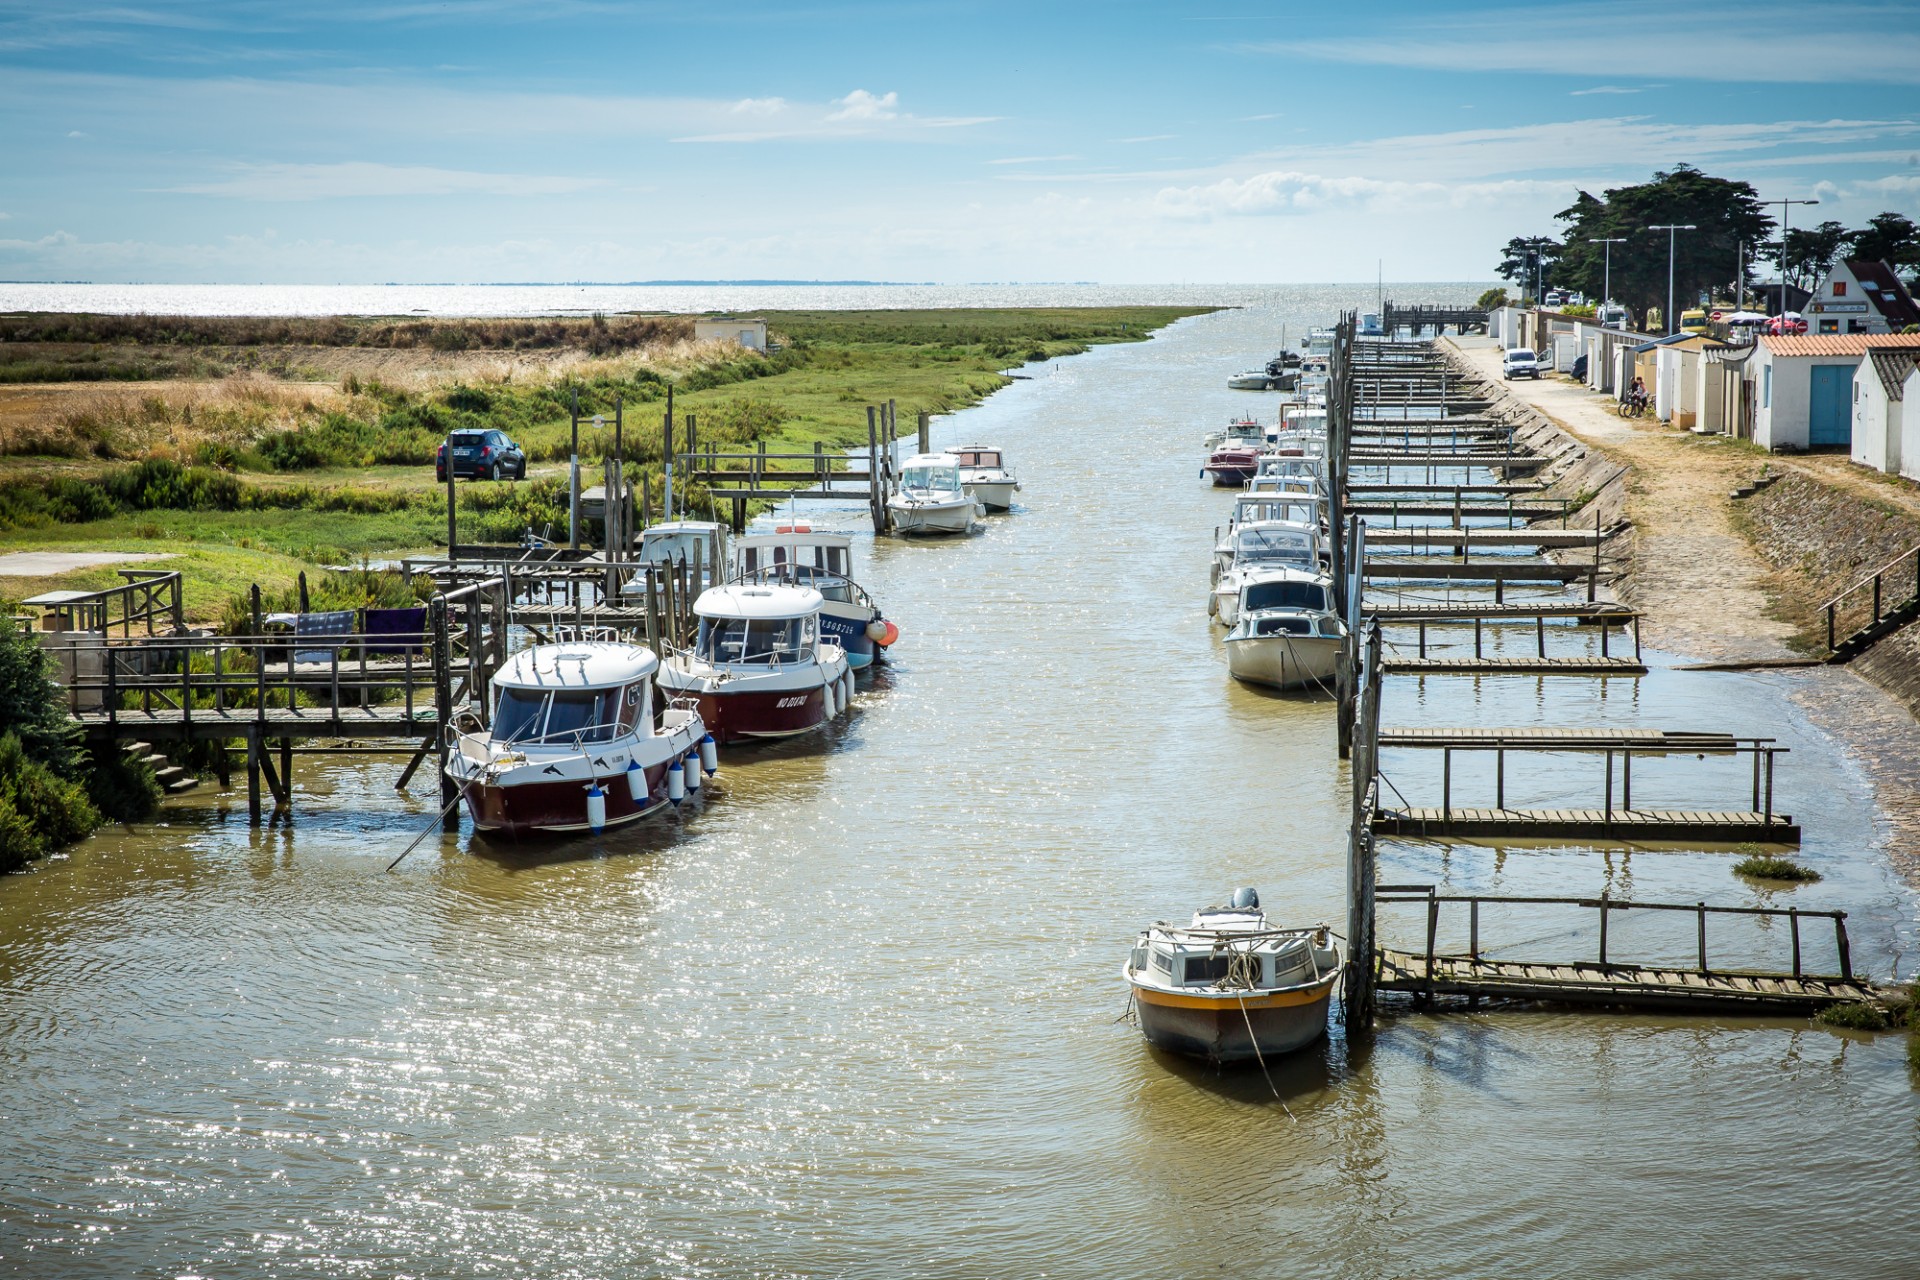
(490, 455)
(1556, 298)
(1519, 363)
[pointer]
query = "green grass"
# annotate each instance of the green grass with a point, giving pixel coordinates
(1859, 1015)
(1758, 865)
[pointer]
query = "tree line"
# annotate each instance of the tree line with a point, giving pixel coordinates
(1732, 233)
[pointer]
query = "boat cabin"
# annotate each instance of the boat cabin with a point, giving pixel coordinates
(1224, 948)
(748, 624)
(1296, 508)
(798, 555)
(564, 695)
(1289, 603)
(1276, 543)
(679, 540)
(979, 458)
(931, 473)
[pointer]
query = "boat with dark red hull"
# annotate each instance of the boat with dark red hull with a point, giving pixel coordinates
(760, 667)
(574, 743)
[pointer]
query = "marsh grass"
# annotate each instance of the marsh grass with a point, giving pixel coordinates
(1759, 865)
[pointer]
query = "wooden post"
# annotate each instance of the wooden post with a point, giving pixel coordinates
(573, 478)
(302, 580)
(1793, 919)
(1846, 950)
(258, 622)
(1702, 908)
(443, 705)
(286, 772)
(876, 499)
(666, 457)
(1433, 929)
(926, 429)
(253, 777)
(1473, 929)
(1603, 931)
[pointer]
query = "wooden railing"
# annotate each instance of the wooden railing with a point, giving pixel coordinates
(146, 597)
(1605, 905)
(1863, 605)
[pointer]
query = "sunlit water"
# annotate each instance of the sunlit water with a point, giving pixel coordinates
(858, 1012)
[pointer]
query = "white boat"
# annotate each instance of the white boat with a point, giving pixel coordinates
(1251, 380)
(1370, 326)
(1256, 548)
(1285, 634)
(759, 666)
(931, 498)
(1232, 986)
(984, 474)
(692, 542)
(800, 555)
(573, 743)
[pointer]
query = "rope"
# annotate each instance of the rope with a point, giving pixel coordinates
(458, 797)
(1261, 1058)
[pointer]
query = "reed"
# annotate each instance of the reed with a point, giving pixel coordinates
(1763, 866)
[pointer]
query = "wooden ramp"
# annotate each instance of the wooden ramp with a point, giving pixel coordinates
(1503, 569)
(170, 723)
(1449, 538)
(1452, 458)
(1527, 665)
(1714, 825)
(1635, 985)
(1600, 611)
(1424, 507)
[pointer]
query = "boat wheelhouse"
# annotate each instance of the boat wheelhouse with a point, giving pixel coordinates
(573, 741)
(799, 555)
(1285, 634)
(1258, 547)
(931, 498)
(985, 475)
(759, 666)
(1231, 985)
(690, 542)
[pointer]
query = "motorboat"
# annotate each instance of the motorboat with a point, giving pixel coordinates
(1231, 465)
(797, 554)
(1285, 634)
(1287, 473)
(759, 666)
(700, 544)
(1370, 326)
(931, 498)
(573, 743)
(1251, 380)
(1244, 430)
(984, 474)
(1256, 548)
(1231, 985)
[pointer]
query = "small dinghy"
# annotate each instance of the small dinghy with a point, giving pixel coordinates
(1231, 986)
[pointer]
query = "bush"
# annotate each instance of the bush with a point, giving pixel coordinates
(123, 789)
(1760, 866)
(32, 707)
(1492, 299)
(1858, 1015)
(56, 809)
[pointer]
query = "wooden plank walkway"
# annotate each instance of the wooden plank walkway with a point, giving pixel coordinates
(1451, 538)
(1515, 487)
(1717, 825)
(275, 722)
(1502, 570)
(1635, 985)
(1491, 510)
(1639, 741)
(1617, 615)
(1527, 665)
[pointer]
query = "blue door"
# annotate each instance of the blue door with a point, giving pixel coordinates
(1831, 419)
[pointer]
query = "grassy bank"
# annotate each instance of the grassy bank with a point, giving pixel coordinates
(256, 474)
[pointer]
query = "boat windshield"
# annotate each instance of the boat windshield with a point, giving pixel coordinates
(753, 640)
(930, 478)
(1284, 545)
(809, 555)
(830, 584)
(980, 458)
(674, 546)
(1285, 595)
(535, 715)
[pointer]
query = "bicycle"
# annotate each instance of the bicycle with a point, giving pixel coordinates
(1633, 407)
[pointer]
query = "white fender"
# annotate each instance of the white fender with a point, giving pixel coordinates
(636, 782)
(596, 808)
(690, 771)
(709, 755)
(676, 782)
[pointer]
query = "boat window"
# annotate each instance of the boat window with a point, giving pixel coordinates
(1282, 627)
(837, 559)
(1163, 961)
(1204, 970)
(673, 546)
(634, 703)
(1291, 967)
(517, 715)
(591, 713)
(740, 640)
(1272, 544)
(1286, 595)
(930, 478)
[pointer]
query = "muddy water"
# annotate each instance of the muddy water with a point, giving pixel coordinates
(857, 1012)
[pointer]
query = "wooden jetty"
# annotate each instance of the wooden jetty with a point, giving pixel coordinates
(1498, 568)
(1604, 979)
(740, 478)
(1521, 665)
(1452, 538)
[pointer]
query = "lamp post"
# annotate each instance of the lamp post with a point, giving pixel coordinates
(1606, 278)
(1672, 229)
(1785, 206)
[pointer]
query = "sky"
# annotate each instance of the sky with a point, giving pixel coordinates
(467, 141)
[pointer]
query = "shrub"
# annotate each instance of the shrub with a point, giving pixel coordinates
(1760, 866)
(56, 809)
(123, 789)
(1492, 298)
(31, 706)
(1857, 1015)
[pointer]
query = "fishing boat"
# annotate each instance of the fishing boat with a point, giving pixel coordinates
(760, 667)
(798, 554)
(931, 498)
(984, 474)
(573, 742)
(1232, 465)
(1285, 633)
(700, 544)
(1259, 547)
(1231, 986)
(1251, 380)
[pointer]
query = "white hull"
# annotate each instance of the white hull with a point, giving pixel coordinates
(1284, 661)
(934, 517)
(994, 495)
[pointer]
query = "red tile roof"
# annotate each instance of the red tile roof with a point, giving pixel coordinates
(1838, 344)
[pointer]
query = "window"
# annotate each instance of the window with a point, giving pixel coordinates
(1839, 288)
(591, 713)
(725, 640)
(1286, 595)
(1766, 388)
(1163, 961)
(1202, 970)
(517, 716)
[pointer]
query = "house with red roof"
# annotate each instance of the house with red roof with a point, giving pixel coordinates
(1860, 296)
(1803, 387)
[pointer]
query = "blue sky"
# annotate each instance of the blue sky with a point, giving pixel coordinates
(481, 140)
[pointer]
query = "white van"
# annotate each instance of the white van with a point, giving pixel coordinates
(1519, 363)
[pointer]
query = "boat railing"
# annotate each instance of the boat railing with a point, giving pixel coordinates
(802, 576)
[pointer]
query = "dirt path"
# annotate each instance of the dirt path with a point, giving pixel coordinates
(1700, 586)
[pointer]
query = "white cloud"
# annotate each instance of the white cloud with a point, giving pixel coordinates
(1606, 88)
(75, 133)
(861, 105)
(1270, 115)
(358, 178)
(759, 106)
(1285, 191)
(1032, 159)
(1150, 137)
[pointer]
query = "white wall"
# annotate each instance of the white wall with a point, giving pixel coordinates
(751, 334)
(1788, 421)
(1909, 465)
(1877, 426)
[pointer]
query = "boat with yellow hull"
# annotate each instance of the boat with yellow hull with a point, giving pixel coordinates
(1230, 986)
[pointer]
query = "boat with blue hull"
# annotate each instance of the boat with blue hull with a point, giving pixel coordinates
(798, 555)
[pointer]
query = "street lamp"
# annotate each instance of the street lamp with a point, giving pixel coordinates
(1606, 286)
(1672, 229)
(1784, 207)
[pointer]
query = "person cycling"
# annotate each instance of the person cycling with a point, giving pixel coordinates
(1637, 394)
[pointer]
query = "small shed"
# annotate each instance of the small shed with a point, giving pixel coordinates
(1878, 396)
(1910, 424)
(1804, 386)
(751, 334)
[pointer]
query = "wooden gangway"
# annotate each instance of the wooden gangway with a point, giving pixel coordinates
(1603, 978)
(1518, 665)
(1453, 538)
(1597, 612)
